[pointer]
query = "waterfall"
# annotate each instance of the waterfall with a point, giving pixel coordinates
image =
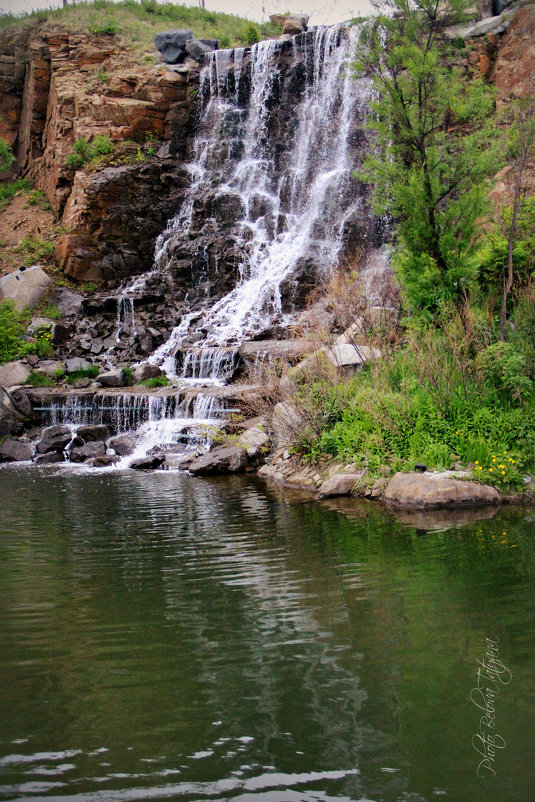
(272, 194)
(163, 423)
(125, 316)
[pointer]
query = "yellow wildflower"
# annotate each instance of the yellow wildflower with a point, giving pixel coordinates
(490, 470)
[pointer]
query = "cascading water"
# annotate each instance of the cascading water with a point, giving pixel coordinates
(281, 186)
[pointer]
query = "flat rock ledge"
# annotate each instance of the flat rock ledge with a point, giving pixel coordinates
(437, 490)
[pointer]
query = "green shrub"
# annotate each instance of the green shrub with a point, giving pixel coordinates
(85, 152)
(12, 329)
(250, 34)
(129, 375)
(6, 156)
(504, 370)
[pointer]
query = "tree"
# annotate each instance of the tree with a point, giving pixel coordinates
(522, 139)
(433, 148)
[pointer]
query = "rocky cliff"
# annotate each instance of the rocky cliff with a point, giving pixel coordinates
(57, 87)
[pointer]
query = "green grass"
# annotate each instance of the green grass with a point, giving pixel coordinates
(434, 399)
(9, 189)
(83, 373)
(139, 22)
(156, 381)
(40, 380)
(33, 249)
(12, 329)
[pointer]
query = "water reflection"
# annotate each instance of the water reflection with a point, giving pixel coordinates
(165, 636)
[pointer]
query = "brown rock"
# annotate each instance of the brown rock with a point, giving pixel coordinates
(223, 459)
(435, 490)
(341, 484)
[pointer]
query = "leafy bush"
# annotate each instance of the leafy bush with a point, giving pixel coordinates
(504, 370)
(12, 329)
(85, 152)
(250, 34)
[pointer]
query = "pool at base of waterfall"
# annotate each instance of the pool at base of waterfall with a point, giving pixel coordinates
(169, 637)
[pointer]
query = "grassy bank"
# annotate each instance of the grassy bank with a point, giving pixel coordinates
(139, 22)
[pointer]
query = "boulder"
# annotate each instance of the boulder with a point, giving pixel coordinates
(253, 440)
(13, 373)
(67, 301)
(341, 484)
(50, 458)
(145, 371)
(122, 444)
(348, 355)
(26, 286)
(76, 363)
(115, 378)
(436, 490)
(223, 459)
(88, 451)
(172, 44)
(93, 432)
(294, 24)
(197, 49)
(54, 438)
(147, 463)
(105, 460)
(13, 450)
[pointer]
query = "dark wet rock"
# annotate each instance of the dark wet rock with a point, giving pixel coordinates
(223, 459)
(88, 451)
(148, 463)
(123, 444)
(50, 458)
(197, 49)
(105, 460)
(13, 450)
(54, 438)
(172, 44)
(93, 432)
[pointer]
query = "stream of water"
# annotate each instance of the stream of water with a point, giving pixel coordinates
(166, 637)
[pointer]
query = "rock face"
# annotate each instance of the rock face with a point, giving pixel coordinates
(50, 96)
(436, 490)
(26, 286)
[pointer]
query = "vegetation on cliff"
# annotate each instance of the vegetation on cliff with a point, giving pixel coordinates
(139, 22)
(456, 381)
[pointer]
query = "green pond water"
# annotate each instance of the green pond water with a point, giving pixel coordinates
(166, 637)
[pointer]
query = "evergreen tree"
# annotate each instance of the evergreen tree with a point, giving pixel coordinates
(434, 148)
